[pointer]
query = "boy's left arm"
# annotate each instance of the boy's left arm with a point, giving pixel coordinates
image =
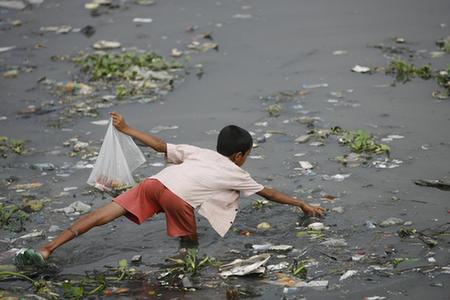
(277, 196)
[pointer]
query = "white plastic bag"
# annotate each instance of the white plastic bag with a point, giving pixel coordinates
(118, 158)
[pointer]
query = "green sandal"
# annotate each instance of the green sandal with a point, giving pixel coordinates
(28, 257)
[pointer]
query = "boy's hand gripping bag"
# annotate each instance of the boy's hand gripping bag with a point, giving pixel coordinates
(118, 158)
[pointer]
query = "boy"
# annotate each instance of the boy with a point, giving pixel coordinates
(199, 178)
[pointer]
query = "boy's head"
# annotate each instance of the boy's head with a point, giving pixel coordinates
(235, 143)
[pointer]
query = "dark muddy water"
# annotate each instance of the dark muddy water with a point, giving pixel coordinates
(264, 47)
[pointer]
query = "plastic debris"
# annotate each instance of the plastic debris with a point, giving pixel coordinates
(27, 186)
(54, 228)
(4, 49)
(57, 29)
(136, 258)
(74, 209)
(241, 267)
(160, 128)
(340, 52)
(143, 20)
(17, 5)
(392, 221)
(263, 226)
(348, 274)
(43, 166)
(101, 122)
(370, 224)
(316, 226)
(270, 247)
(314, 86)
(302, 139)
(278, 267)
(361, 69)
(436, 183)
(176, 53)
(242, 16)
(337, 177)
(392, 137)
(386, 163)
(104, 45)
(338, 209)
(332, 242)
(305, 165)
(34, 234)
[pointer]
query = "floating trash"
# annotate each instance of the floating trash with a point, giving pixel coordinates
(241, 267)
(361, 69)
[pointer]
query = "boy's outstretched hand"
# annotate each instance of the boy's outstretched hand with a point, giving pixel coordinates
(118, 121)
(313, 211)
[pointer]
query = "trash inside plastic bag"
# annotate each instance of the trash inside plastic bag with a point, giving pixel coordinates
(118, 158)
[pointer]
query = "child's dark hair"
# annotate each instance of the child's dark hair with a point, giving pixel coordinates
(233, 139)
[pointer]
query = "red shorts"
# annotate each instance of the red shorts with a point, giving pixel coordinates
(151, 197)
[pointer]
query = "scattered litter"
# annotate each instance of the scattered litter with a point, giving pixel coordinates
(392, 137)
(242, 16)
(437, 54)
(34, 234)
(340, 52)
(100, 122)
(392, 221)
(17, 5)
(11, 74)
(70, 188)
(332, 242)
(302, 139)
(278, 267)
(74, 209)
(316, 226)
(54, 228)
(136, 258)
(4, 49)
(43, 166)
(143, 20)
(270, 247)
(305, 165)
(358, 257)
(337, 177)
(374, 298)
(263, 226)
(104, 45)
(27, 186)
(361, 69)
(314, 86)
(157, 164)
(160, 128)
(338, 209)
(176, 53)
(203, 47)
(371, 224)
(386, 163)
(57, 29)
(348, 274)
(241, 267)
(431, 259)
(436, 183)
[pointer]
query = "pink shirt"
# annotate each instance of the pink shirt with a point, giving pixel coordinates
(208, 181)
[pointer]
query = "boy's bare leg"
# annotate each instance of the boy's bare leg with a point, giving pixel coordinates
(98, 217)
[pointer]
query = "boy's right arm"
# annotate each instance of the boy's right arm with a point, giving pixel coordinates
(277, 196)
(152, 141)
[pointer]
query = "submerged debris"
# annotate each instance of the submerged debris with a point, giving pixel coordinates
(436, 183)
